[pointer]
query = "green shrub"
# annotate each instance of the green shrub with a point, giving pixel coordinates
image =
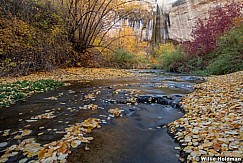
(195, 63)
(164, 48)
(231, 42)
(201, 73)
(122, 58)
(226, 63)
(229, 53)
(174, 61)
(226, 58)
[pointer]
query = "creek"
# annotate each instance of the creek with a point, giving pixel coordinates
(149, 100)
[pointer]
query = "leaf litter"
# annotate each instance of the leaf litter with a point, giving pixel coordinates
(212, 125)
(115, 112)
(56, 150)
(48, 115)
(71, 74)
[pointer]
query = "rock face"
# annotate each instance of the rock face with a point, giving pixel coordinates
(185, 13)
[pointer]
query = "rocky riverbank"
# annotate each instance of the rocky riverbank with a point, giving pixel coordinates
(212, 125)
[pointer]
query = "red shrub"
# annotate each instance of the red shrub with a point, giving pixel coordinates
(206, 32)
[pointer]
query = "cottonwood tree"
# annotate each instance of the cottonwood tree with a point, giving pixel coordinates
(90, 21)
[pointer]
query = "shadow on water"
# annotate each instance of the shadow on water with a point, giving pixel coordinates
(140, 136)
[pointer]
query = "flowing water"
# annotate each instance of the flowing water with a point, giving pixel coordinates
(149, 101)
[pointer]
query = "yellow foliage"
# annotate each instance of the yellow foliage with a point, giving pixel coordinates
(126, 38)
(137, 9)
(54, 33)
(168, 47)
(238, 21)
(13, 33)
(164, 48)
(153, 60)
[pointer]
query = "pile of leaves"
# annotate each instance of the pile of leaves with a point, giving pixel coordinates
(53, 151)
(115, 112)
(10, 93)
(212, 125)
(59, 150)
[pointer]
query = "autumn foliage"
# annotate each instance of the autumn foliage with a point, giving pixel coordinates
(43, 35)
(206, 32)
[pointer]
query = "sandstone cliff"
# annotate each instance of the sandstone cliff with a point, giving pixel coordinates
(185, 13)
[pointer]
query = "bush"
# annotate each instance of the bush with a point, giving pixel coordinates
(229, 53)
(225, 64)
(226, 58)
(231, 42)
(28, 43)
(217, 48)
(164, 48)
(174, 61)
(122, 58)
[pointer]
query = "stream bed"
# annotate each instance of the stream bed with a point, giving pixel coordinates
(148, 100)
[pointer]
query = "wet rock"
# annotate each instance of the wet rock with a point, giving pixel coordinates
(194, 78)
(130, 111)
(3, 144)
(145, 99)
(118, 101)
(163, 100)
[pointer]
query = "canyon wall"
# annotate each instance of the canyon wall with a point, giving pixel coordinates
(185, 13)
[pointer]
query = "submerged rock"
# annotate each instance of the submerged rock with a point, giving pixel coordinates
(163, 100)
